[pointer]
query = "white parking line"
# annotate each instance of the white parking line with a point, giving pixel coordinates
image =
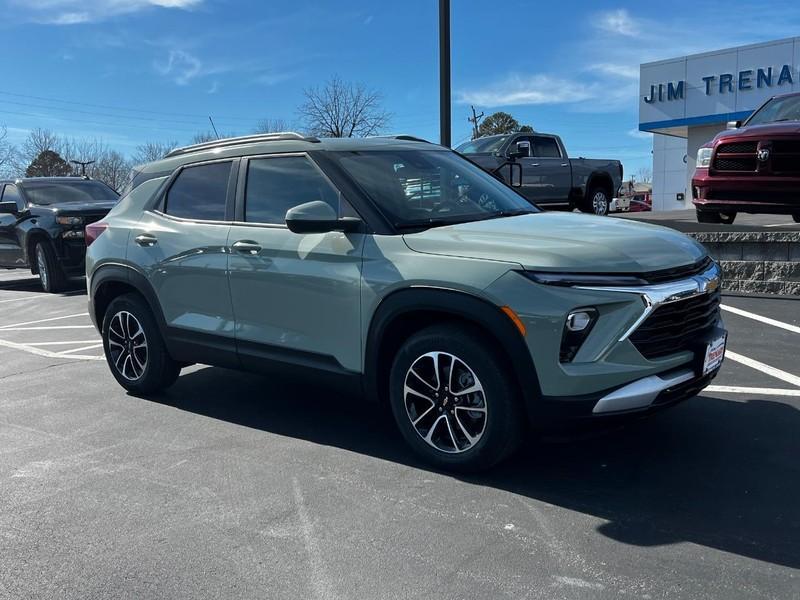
(62, 343)
(44, 320)
(47, 328)
(91, 347)
(46, 353)
(764, 368)
(767, 320)
(735, 389)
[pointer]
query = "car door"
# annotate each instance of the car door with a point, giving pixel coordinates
(296, 297)
(180, 245)
(11, 254)
(555, 176)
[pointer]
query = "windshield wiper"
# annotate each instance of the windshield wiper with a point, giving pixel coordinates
(784, 120)
(425, 223)
(509, 213)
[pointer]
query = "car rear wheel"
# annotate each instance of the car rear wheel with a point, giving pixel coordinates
(597, 202)
(134, 348)
(454, 400)
(50, 272)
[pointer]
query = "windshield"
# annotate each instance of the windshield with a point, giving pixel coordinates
(490, 143)
(51, 192)
(430, 187)
(777, 110)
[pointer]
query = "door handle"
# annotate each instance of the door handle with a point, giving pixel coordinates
(146, 240)
(564, 164)
(246, 247)
(534, 164)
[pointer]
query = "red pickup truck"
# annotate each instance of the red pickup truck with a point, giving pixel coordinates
(753, 167)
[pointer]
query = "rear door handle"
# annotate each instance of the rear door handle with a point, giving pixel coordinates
(534, 164)
(146, 240)
(246, 247)
(564, 164)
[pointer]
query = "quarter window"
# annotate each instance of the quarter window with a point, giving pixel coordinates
(200, 192)
(274, 185)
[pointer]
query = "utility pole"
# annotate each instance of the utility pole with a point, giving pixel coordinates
(444, 73)
(474, 120)
(83, 165)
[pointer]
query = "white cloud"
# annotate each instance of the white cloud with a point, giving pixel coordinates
(72, 12)
(180, 66)
(629, 71)
(620, 22)
(530, 89)
(640, 135)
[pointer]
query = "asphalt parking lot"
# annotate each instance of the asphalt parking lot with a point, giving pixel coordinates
(238, 486)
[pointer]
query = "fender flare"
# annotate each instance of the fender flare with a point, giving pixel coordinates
(459, 304)
(118, 273)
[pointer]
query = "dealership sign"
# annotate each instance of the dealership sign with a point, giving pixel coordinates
(724, 83)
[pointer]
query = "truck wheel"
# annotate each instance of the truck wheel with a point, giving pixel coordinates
(796, 217)
(596, 202)
(50, 272)
(134, 348)
(708, 216)
(727, 218)
(454, 400)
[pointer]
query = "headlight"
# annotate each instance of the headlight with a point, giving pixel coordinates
(704, 157)
(69, 221)
(583, 279)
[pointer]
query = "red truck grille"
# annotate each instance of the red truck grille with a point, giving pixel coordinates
(742, 157)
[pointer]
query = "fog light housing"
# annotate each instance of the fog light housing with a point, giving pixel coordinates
(577, 327)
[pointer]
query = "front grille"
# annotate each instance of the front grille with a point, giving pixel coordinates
(739, 163)
(738, 148)
(677, 326)
(786, 157)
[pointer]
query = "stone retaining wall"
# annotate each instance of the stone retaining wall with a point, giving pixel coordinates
(761, 262)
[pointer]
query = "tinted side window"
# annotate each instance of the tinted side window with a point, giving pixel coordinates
(546, 147)
(200, 192)
(10, 194)
(274, 185)
(522, 138)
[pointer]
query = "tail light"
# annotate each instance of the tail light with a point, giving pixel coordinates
(93, 231)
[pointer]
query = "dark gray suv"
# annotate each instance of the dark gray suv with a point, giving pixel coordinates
(406, 271)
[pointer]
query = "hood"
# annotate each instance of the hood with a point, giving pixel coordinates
(76, 208)
(563, 242)
(759, 131)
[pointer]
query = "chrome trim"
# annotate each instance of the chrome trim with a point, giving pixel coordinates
(641, 393)
(659, 294)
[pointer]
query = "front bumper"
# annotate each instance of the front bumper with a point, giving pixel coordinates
(746, 193)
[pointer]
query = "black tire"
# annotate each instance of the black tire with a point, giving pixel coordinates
(138, 372)
(796, 217)
(502, 422)
(597, 201)
(727, 218)
(709, 216)
(51, 275)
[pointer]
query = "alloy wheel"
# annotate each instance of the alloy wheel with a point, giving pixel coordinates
(600, 203)
(41, 265)
(445, 402)
(127, 345)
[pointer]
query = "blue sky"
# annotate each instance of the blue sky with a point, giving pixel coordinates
(130, 71)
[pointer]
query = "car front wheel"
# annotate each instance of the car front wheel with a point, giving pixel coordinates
(134, 348)
(50, 272)
(454, 400)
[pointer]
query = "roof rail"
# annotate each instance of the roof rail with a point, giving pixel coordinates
(244, 139)
(404, 137)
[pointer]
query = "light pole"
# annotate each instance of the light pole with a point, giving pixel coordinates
(83, 165)
(444, 73)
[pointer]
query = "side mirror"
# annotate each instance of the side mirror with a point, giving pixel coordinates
(318, 217)
(8, 207)
(733, 125)
(521, 150)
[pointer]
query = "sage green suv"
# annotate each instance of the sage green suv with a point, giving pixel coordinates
(400, 268)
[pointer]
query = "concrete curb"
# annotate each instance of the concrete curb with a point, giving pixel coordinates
(761, 262)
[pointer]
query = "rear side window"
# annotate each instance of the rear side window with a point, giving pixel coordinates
(200, 192)
(274, 185)
(10, 194)
(546, 147)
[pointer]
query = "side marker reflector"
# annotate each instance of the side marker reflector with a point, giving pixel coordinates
(514, 319)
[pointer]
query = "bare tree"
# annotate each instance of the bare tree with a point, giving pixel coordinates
(150, 151)
(341, 109)
(272, 126)
(112, 168)
(7, 152)
(644, 175)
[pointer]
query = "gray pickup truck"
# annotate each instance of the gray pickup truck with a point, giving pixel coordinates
(537, 164)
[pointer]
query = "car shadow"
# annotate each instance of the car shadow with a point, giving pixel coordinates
(720, 473)
(73, 287)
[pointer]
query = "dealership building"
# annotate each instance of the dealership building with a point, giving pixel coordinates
(686, 101)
